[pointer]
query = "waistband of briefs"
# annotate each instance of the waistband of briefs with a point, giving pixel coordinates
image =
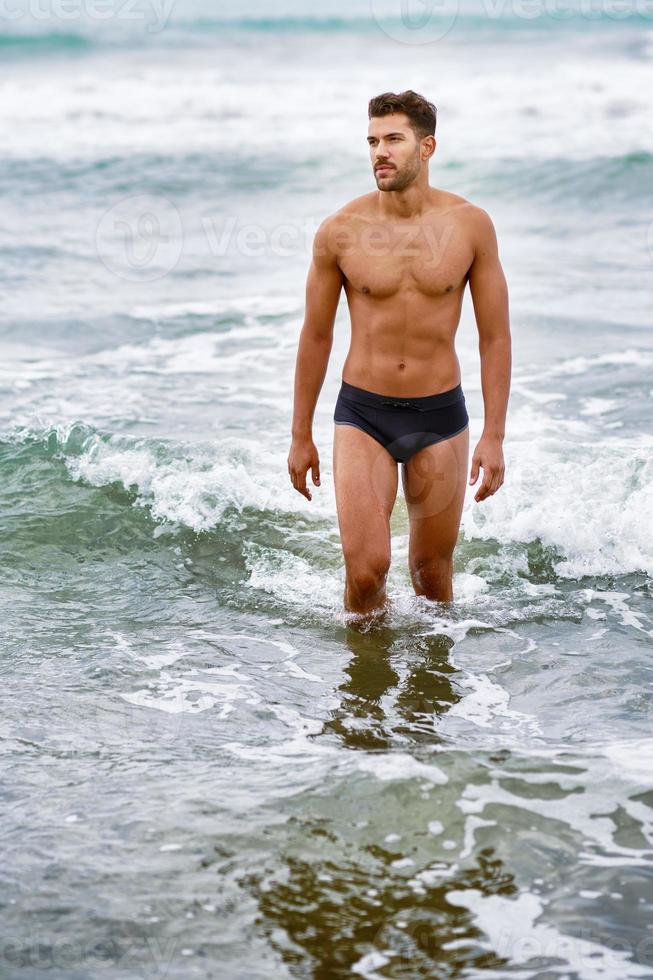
(423, 403)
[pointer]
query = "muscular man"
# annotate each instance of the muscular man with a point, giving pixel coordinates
(404, 254)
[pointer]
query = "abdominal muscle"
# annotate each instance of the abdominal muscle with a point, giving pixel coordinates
(411, 359)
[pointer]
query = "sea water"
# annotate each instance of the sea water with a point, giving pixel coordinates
(206, 771)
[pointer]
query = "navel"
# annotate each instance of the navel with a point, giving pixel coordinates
(401, 364)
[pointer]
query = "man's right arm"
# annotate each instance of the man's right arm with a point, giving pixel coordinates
(323, 285)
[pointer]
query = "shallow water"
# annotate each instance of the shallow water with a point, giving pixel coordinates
(206, 772)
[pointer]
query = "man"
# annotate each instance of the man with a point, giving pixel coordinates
(404, 254)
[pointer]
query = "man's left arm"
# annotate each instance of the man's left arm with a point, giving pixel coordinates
(490, 298)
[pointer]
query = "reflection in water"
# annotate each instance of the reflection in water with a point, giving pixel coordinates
(337, 911)
(362, 719)
(338, 899)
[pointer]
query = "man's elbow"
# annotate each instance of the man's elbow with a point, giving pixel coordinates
(319, 334)
(496, 339)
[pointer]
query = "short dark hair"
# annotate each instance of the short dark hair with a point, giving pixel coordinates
(423, 114)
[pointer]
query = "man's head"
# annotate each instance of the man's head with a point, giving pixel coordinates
(401, 136)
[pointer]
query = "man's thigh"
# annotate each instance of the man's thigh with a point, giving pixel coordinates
(434, 481)
(366, 481)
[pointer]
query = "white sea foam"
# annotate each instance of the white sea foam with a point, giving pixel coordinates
(585, 496)
(399, 765)
(590, 502)
(582, 365)
(177, 105)
(191, 694)
(193, 495)
(601, 786)
(597, 406)
(368, 964)
(487, 705)
(634, 758)
(517, 929)
(267, 304)
(174, 651)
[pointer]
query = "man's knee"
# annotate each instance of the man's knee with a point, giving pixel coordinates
(366, 577)
(431, 574)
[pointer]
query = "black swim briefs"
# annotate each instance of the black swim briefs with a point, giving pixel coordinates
(402, 425)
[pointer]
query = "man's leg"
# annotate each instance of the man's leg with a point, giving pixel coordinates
(434, 482)
(366, 481)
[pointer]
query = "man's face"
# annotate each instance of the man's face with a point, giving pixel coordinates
(394, 151)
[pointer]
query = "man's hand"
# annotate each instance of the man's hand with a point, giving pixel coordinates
(303, 456)
(489, 455)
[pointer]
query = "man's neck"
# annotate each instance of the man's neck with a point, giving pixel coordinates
(411, 202)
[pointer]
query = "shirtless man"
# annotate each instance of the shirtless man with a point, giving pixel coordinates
(404, 254)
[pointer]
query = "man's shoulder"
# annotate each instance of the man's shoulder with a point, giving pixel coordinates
(448, 202)
(358, 207)
(475, 222)
(474, 219)
(332, 228)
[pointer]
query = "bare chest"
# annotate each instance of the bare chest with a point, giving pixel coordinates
(380, 260)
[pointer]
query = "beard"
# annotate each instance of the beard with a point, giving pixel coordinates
(400, 178)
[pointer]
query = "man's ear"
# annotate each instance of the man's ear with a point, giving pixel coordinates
(430, 143)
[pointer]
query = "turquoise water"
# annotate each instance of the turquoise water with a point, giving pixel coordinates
(205, 771)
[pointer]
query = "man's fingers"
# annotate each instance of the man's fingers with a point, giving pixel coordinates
(299, 463)
(484, 488)
(303, 489)
(299, 483)
(492, 480)
(498, 479)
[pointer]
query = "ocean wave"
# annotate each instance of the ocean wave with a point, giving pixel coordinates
(30, 42)
(623, 178)
(583, 509)
(617, 179)
(453, 12)
(176, 30)
(571, 511)
(181, 487)
(308, 22)
(120, 33)
(174, 174)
